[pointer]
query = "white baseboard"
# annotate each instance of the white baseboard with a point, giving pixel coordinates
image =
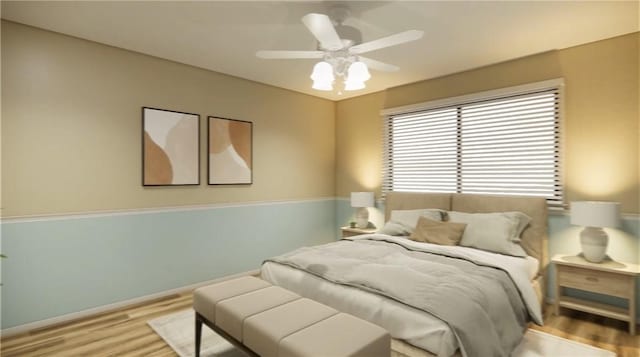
(117, 305)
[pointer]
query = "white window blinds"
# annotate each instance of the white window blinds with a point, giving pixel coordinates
(508, 145)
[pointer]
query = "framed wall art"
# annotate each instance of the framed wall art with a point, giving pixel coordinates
(170, 148)
(230, 151)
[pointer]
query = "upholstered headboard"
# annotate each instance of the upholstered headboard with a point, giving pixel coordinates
(534, 237)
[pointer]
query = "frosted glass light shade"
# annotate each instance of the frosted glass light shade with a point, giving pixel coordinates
(362, 199)
(318, 85)
(595, 214)
(322, 76)
(358, 72)
(353, 85)
(322, 71)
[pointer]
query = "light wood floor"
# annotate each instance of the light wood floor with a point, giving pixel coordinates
(125, 332)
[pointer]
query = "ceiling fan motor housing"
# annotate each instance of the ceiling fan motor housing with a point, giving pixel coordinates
(349, 35)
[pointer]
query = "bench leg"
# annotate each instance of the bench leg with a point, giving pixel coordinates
(198, 333)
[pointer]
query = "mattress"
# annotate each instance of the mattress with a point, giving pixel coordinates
(411, 325)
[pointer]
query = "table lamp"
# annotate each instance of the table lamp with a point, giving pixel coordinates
(594, 215)
(362, 200)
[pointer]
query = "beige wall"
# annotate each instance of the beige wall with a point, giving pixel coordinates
(602, 157)
(601, 146)
(71, 128)
(71, 124)
(359, 143)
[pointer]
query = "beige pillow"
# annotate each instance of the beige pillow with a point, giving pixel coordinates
(443, 233)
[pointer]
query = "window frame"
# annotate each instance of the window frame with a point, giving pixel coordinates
(496, 94)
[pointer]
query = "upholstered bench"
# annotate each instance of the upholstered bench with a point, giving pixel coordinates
(266, 320)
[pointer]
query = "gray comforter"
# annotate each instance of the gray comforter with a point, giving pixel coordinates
(479, 302)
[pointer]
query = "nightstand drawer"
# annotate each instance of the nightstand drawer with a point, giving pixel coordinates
(595, 281)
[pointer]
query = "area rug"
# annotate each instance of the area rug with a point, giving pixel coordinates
(540, 344)
(177, 330)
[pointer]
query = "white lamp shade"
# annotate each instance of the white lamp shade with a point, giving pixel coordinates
(322, 76)
(353, 85)
(595, 214)
(323, 72)
(358, 72)
(320, 85)
(362, 199)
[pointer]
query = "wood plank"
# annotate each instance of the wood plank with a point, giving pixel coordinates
(33, 348)
(607, 265)
(108, 334)
(579, 326)
(594, 308)
(156, 348)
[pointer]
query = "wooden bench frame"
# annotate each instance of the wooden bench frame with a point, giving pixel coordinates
(201, 319)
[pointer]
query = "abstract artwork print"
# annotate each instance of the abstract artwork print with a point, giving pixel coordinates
(170, 152)
(230, 151)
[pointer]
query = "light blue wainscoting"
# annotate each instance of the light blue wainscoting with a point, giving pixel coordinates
(624, 243)
(62, 265)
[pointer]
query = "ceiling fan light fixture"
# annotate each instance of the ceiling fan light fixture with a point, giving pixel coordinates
(322, 85)
(353, 85)
(340, 46)
(322, 76)
(323, 72)
(358, 72)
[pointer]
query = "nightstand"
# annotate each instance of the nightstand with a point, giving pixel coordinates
(350, 232)
(608, 278)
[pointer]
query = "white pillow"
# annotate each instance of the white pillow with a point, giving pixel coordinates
(523, 222)
(496, 232)
(404, 222)
(395, 229)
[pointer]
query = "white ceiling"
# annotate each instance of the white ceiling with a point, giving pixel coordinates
(224, 36)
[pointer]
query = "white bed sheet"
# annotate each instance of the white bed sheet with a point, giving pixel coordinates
(533, 266)
(403, 322)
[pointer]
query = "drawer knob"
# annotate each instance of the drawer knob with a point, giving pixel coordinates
(590, 278)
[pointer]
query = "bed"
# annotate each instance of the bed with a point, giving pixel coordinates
(418, 328)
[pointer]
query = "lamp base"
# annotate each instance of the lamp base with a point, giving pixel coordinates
(362, 217)
(594, 241)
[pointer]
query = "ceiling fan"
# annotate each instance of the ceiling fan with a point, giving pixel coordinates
(340, 48)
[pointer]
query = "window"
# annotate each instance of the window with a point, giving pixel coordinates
(495, 144)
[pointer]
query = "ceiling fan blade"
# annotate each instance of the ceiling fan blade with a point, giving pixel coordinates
(289, 54)
(388, 41)
(377, 65)
(322, 28)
